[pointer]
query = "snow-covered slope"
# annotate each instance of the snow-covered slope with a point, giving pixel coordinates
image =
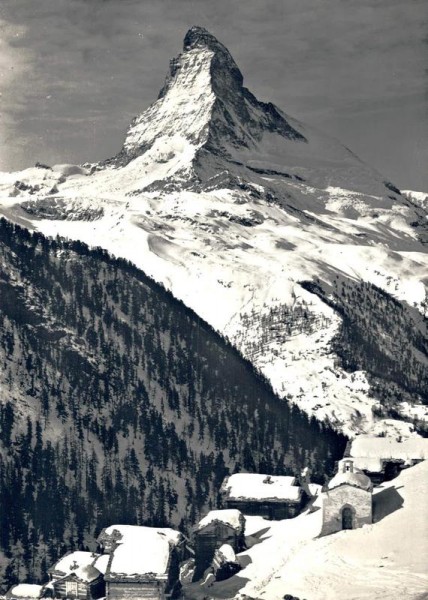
(384, 560)
(238, 209)
(418, 198)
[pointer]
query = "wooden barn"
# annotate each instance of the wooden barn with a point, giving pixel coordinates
(77, 575)
(268, 496)
(217, 528)
(85, 583)
(143, 563)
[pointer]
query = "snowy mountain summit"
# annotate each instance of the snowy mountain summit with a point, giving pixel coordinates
(307, 259)
(206, 126)
(204, 107)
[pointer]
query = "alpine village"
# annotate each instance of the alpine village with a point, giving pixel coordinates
(192, 404)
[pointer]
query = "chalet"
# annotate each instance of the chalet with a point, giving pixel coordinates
(143, 562)
(85, 583)
(382, 458)
(76, 576)
(217, 528)
(347, 499)
(25, 591)
(269, 496)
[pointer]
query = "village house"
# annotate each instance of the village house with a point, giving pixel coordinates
(347, 499)
(382, 458)
(217, 528)
(77, 575)
(86, 583)
(270, 496)
(143, 562)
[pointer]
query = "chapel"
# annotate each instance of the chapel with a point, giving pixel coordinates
(347, 499)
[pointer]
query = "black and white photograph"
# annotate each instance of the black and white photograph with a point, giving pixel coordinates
(213, 300)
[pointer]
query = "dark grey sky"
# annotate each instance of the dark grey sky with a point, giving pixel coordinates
(74, 72)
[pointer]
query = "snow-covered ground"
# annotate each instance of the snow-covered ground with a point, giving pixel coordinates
(387, 559)
(419, 198)
(231, 204)
(26, 591)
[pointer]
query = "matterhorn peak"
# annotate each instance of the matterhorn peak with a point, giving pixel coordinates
(202, 51)
(199, 37)
(203, 107)
(221, 59)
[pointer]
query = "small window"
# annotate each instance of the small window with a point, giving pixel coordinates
(71, 589)
(348, 467)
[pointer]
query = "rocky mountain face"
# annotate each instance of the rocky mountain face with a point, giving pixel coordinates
(118, 404)
(307, 260)
(204, 102)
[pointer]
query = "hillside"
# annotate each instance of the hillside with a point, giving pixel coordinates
(306, 259)
(118, 404)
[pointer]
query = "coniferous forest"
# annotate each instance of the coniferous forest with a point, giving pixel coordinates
(118, 404)
(382, 336)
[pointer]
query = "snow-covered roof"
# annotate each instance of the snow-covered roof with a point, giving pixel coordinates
(359, 480)
(367, 463)
(140, 552)
(231, 516)
(101, 563)
(349, 474)
(138, 534)
(133, 560)
(25, 590)
(257, 487)
(226, 553)
(87, 573)
(366, 447)
(73, 561)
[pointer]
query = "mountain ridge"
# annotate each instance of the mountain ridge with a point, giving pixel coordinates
(205, 67)
(213, 198)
